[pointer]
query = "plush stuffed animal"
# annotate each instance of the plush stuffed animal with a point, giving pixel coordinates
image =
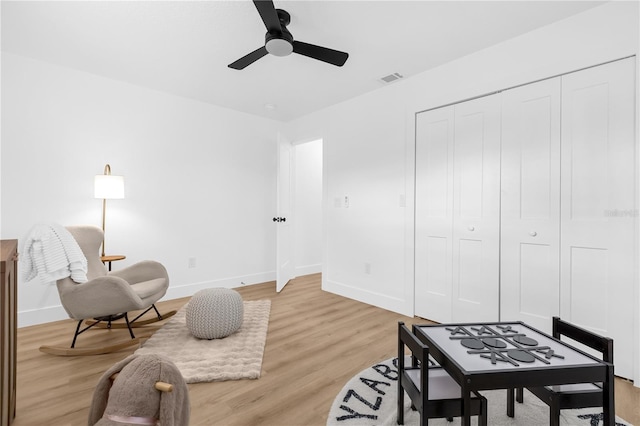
(133, 399)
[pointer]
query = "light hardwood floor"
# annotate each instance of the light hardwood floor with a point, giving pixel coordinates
(315, 343)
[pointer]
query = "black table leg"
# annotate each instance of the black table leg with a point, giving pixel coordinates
(608, 398)
(510, 402)
(466, 406)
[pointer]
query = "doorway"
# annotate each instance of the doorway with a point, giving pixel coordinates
(299, 210)
(307, 207)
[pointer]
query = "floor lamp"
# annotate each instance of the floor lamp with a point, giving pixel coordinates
(108, 187)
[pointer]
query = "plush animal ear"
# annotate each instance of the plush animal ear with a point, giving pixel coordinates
(100, 399)
(101, 392)
(175, 408)
(166, 416)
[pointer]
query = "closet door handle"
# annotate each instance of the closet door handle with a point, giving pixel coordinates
(533, 233)
(471, 228)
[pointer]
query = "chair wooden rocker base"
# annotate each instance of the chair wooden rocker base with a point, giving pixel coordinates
(93, 350)
(100, 323)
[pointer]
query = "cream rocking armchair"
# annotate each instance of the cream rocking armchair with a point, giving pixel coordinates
(109, 296)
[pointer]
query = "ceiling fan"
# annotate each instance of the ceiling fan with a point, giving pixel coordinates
(278, 40)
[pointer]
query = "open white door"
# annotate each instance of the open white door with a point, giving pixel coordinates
(284, 219)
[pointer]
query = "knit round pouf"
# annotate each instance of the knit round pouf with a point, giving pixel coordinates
(214, 313)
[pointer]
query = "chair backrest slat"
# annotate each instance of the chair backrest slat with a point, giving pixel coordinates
(604, 345)
(418, 350)
(410, 340)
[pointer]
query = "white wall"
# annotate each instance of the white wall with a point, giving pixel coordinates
(199, 179)
(364, 160)
(308, 207)
(369, 145)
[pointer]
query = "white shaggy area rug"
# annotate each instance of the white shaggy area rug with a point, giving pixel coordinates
(369, 398)
(235, 357)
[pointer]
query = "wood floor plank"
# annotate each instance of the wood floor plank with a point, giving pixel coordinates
(316, 342)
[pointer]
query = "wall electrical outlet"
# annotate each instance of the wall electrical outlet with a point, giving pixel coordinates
(346, 201)
(192, 262)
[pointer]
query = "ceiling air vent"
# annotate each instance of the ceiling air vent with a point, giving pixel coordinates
(391, 78)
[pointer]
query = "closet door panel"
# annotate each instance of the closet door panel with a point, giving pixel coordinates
(598, 203)
(588, 269)
(530, 204)
(434, 173)
(537, 285)
(476, 210)
(469, 162)
(469, 269)
(438, 275)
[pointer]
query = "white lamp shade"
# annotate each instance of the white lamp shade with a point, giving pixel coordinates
(109, 186)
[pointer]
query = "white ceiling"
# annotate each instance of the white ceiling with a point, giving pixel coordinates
(184, 47)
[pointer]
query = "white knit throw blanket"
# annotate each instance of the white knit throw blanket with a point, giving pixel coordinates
(51, 253)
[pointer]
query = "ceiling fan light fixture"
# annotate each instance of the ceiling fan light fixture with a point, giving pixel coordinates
(279, 47)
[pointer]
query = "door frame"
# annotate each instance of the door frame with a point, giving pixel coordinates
(293, 213)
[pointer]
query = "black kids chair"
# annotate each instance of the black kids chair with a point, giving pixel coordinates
(581, 395)
(433, 392)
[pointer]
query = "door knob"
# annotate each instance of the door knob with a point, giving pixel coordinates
(471, 228)
(533, 233)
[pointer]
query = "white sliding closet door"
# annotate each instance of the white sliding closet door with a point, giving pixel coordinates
(458, 211)
(598, 204)
(476, 210)
(434, 219)
(530, 204)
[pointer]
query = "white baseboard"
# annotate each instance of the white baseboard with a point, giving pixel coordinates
(188, 290)
(41, 315)
(57, 312)
(390, 303)
(308, 270)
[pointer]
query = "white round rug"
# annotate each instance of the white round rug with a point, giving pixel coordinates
(369, 398)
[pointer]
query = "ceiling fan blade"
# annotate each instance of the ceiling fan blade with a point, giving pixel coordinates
(249, 59)
(269, 16)
(334, 57)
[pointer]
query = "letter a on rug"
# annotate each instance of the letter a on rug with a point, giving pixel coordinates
(369, 399)
(235, 357)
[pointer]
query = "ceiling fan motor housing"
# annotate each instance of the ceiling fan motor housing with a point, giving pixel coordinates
(280, 43)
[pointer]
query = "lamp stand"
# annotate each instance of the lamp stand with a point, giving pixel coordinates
(107, 171)
(104, 210)
(107, 187)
